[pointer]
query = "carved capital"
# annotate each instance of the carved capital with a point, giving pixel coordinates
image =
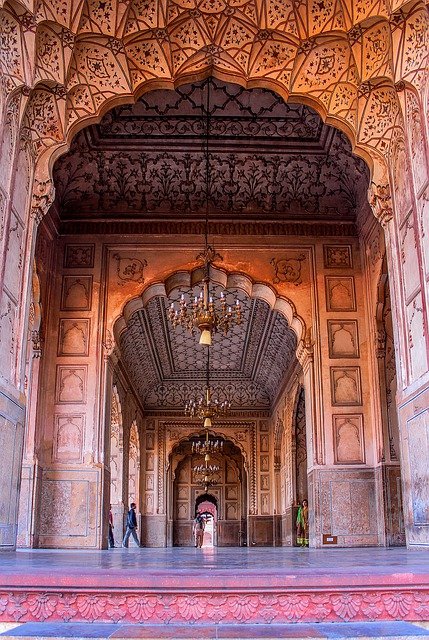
(42, 198)
(380, 344)
(37, 343)
(380, 200)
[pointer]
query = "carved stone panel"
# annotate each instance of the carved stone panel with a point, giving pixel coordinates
(340, 294)
(416, 138)
(68, 437)
(77, 256)
(70, 516)
(348, 439)
(416, 333)
(418, 449)
(409, 259)
(76, 293)
(337, 256)
(71, 385)
(424, 229)
(346, 386)
(343, 339)
(7, 334)
(74, 337)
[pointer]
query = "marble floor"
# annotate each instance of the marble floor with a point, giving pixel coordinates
(332, 631)
(290, 562)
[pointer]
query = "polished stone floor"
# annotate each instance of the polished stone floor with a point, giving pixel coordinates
(331, 631)
(218, 561)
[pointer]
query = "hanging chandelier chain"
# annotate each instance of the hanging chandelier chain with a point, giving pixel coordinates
(202, 312)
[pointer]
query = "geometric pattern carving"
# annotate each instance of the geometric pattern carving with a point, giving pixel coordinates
(247, 366)
(78, 256)
(127, 163)
(338, 256)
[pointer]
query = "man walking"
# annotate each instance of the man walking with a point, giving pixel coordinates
(131, 526)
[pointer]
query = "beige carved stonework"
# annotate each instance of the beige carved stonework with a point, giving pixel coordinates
(71, 384)
(343, 339)
(340, 293)
(348, 439)
(346, 386)
(77, 293)
(73, 337)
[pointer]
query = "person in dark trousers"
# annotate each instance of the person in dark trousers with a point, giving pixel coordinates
(111, 527)
(131, 526)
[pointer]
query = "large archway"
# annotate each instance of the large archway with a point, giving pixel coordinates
(285, 222)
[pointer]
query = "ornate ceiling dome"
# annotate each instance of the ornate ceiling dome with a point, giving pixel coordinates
(74, 59)
(268, 159)
(247, 367)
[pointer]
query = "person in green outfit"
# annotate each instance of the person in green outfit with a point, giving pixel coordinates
(302, 524)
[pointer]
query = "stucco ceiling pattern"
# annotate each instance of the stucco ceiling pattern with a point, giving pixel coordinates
(247, 366)
(72, 59)
(266, 157)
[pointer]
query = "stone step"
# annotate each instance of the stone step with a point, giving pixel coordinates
(321, 631)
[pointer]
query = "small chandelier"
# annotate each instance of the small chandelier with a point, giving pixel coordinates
(202, 313)
(205, 408)
(206, 445)
(206, 471)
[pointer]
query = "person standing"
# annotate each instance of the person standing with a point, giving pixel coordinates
(131, 526)
(111, 527)
(302, 524)
(198, 527)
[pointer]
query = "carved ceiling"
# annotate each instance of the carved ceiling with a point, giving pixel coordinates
(64, 62)
(247, 366)
(267, 159)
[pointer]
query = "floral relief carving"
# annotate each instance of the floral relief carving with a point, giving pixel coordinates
(380, 200)
(338, 256)
(80, 255)
(288, 269)
(100, 50)
(129, 269)
(244, 608)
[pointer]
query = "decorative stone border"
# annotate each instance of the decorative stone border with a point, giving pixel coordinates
(217, 607)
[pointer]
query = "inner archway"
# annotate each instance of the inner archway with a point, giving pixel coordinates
(225, 501)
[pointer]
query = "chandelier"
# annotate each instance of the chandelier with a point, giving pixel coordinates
(203, 313)
(206, 472)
